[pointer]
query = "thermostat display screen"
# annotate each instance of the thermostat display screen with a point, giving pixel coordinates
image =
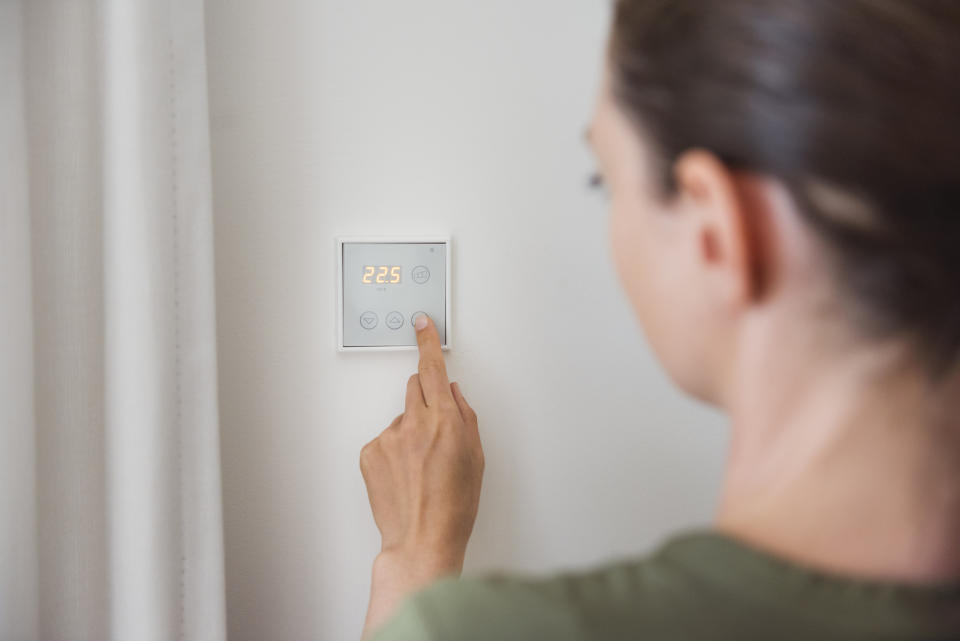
(385, 286)
(383, 275)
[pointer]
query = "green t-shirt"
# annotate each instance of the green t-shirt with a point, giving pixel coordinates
(701, 586)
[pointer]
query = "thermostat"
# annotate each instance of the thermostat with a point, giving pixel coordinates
(384, 284)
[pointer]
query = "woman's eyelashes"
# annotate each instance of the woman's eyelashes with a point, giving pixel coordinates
(596, 182)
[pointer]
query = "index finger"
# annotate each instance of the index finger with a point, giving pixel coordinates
(433, 371)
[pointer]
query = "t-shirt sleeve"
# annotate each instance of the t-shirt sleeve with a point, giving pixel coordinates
(492, 609)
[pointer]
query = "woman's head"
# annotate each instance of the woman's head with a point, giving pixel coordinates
(785, 159)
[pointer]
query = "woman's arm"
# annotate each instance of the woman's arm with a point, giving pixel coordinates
(397, 575)
(423, 476)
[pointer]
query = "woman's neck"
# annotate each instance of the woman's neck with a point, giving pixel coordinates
(844, 461)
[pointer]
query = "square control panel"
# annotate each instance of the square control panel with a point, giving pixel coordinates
(384, 284)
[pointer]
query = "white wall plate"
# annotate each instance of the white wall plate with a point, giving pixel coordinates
(384, 283)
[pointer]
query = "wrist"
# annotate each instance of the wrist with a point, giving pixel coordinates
(399, 573)
(417, 567)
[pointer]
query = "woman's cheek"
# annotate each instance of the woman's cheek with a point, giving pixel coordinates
(624, 253)
(631, 257)
(638, 255)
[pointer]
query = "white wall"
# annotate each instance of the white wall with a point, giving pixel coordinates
(436, 116)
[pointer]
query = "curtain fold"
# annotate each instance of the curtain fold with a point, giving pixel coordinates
(18, 527)
(111, 513)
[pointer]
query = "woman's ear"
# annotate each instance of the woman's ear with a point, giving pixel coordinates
(725, 229)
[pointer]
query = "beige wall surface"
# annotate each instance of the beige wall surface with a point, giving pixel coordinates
(383, 117)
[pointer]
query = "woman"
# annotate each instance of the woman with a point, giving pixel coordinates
(785, 192)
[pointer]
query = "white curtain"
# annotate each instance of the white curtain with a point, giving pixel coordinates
(110, 515)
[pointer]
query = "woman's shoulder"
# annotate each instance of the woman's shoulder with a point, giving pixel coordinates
(596, 604)
(700, 585)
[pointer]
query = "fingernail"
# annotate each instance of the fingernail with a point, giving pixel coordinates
(421, 322)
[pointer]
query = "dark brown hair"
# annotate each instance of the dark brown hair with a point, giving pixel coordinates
(853, 104)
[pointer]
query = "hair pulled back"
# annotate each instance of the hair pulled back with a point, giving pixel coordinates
(853, 104)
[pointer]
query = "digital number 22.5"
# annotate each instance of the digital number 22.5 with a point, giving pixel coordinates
(381, 274)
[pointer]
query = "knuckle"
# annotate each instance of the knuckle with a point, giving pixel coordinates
(430, 365)
(390, 438)
(448, 407)
(410, 418)
(438, 411)
(413, 379)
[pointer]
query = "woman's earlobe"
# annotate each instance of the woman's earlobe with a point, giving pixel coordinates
(709, 247)
(725, 242)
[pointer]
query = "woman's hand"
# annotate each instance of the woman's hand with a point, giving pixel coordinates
(423, 476)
